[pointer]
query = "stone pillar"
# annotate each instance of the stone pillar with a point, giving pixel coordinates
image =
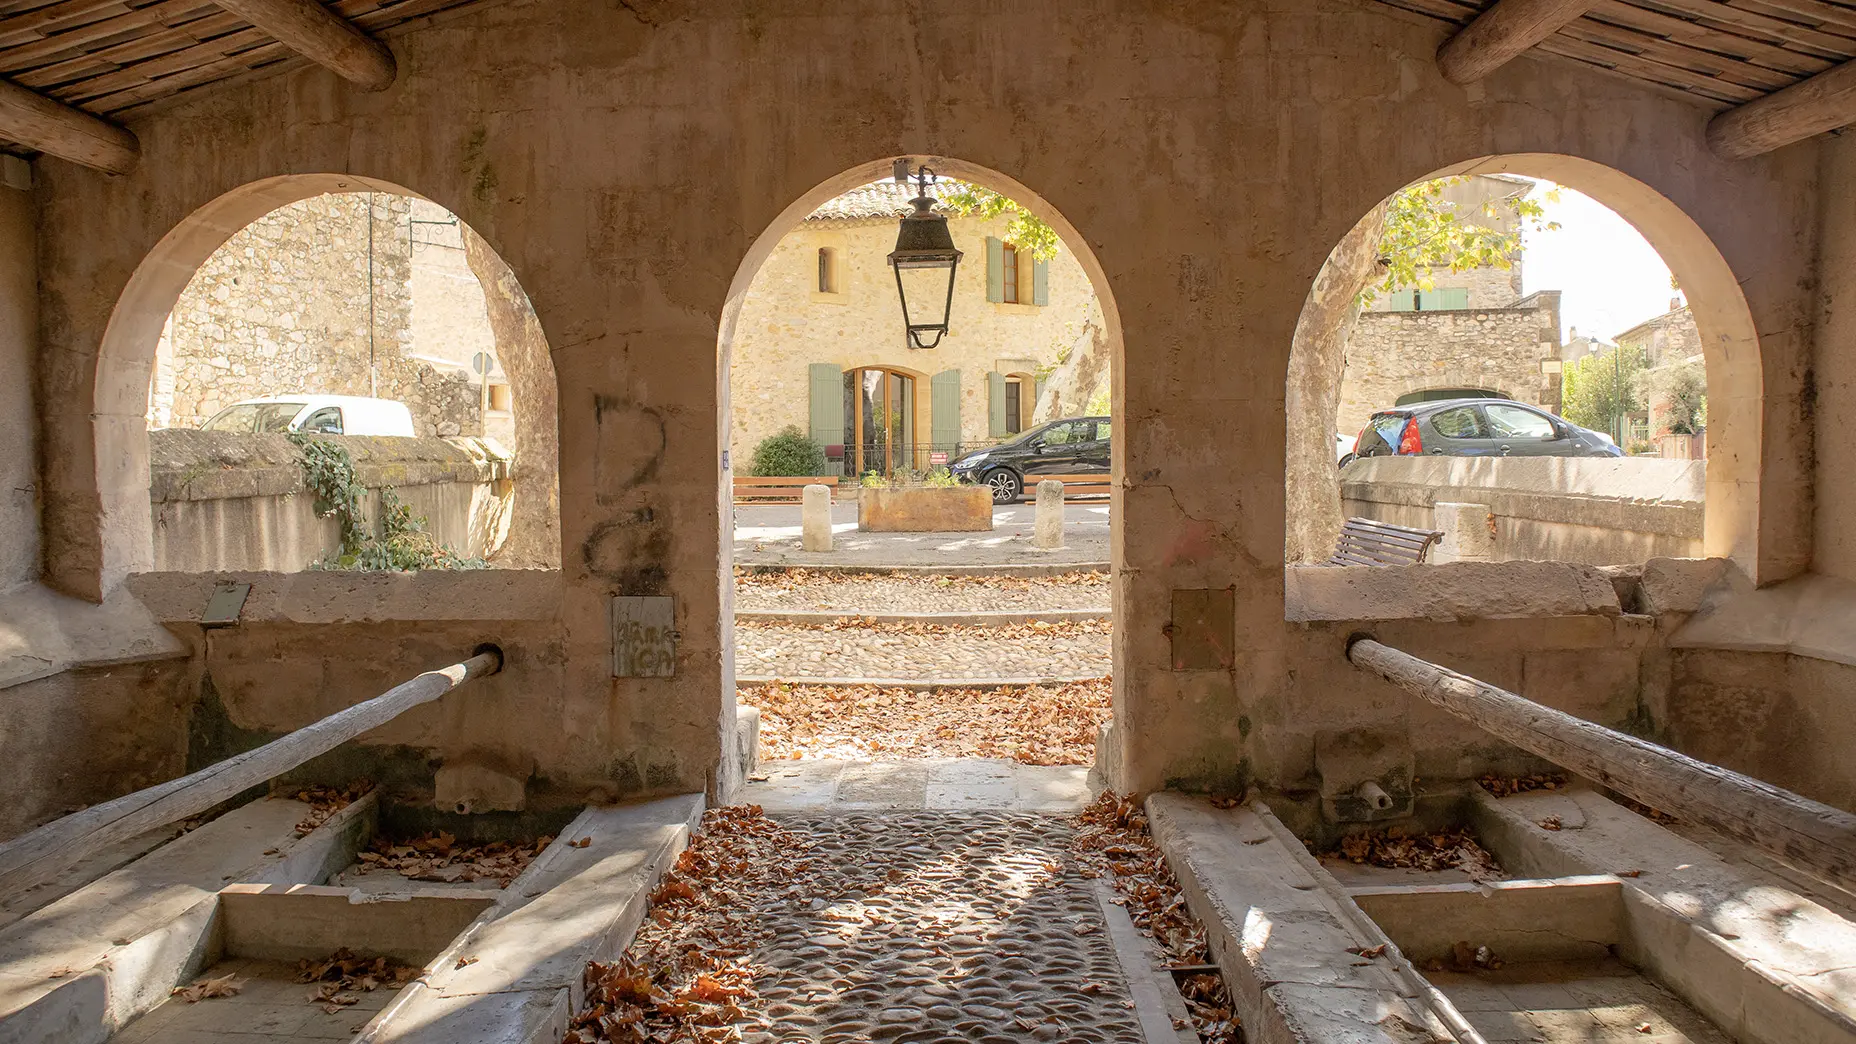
(1048, 530)
(1468, 536)
(815, 518)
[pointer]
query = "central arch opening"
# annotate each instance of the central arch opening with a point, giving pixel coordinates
(900, 612)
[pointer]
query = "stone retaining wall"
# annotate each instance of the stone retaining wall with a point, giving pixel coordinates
(227, 501)
(1593, 510)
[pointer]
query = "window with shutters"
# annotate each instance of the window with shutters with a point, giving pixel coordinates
(1014, 398)
(1010, 271)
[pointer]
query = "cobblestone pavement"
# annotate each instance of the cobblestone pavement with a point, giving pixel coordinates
(815, 590)
(1020, 654)
(769, 535)
(938, 926)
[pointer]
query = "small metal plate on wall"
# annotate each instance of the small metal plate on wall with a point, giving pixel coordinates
(223, 607)
(644, 637)
(1203, 629)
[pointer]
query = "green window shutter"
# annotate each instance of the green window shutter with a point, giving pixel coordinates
(827, 403)
(1454, 299)
(1040, 283)
(995, 404)
(995, 269)
(944, 402)
(1402, 301)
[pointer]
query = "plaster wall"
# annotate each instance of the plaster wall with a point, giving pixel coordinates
(635, 164)
(19, 337)
(1833, 370)
(1592, 510)
(785, 323)
(1775, 716)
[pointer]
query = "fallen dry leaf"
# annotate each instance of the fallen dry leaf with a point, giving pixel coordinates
(325, 801)
(208, 989)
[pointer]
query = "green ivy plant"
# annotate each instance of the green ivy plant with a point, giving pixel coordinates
(402, 543)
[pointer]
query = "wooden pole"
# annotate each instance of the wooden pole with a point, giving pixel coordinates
(34, 857)
(64, 131)
(1810, 107)
(1812, 836)
(1501, 33)
(316, 33)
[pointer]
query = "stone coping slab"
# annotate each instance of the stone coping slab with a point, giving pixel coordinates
(1279, 938)
(1765, 964)
(43, 632)
(338, 596)
(78, 969)
(517, 973)
(1812, 616)
(950, 619)
(1447, 592)
(185, 464)
(295, 922)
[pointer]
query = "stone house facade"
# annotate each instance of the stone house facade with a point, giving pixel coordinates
(1668, 340)
(819, 340)
(1473, 333)
(341, 294)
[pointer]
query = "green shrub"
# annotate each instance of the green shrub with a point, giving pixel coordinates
(873, 480)
(402, 544)
(941, 478)
(788, 452)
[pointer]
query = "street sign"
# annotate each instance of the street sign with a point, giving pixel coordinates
(482, 362)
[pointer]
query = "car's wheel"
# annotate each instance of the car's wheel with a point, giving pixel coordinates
(1006, 486)
(1346, 460)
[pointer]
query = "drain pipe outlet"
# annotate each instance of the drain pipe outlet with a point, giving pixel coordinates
(1374, 795)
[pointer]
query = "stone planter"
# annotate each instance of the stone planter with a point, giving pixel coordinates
(925, 509)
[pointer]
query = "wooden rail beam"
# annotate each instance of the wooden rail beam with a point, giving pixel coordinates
(36, 856)
(1500, 34)
(316, 33)
(65, 131)
(1812, 836)
(1810, 107)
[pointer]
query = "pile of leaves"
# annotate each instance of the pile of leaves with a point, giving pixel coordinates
(1114, 843)
(1502, 786)
(439, 857)
(209, 989)
(1465, 957)
(1654, 815)
(685, 977)
(748, 578)
(1444, 850)
(325, 801)
(342, 977)
(1011, 632)
(1036, 725)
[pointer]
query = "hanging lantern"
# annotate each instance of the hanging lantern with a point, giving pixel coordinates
(924, 250)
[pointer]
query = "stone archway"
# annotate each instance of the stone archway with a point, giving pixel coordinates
(1730, 347)
(92, 562)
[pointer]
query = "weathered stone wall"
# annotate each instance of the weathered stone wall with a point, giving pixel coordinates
(1501, 349)
(299, 301)
(1592, 510)
(225, 501)
(1669, 338)
(785, 323)
(450, 320)
(19, 333)
(1834, 366)
(626, 169)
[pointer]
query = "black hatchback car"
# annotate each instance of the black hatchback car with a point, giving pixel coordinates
(1075, 446)
(1477, 428)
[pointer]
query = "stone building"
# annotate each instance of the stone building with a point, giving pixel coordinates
(819, 343)
(1669, 340)
(1472, 334)
(314, 297)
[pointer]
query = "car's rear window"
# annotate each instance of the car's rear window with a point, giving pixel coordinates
(255, 417)
(1388, 426)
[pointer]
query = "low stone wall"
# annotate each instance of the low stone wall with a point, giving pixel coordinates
(228, 501)
(1592, 510)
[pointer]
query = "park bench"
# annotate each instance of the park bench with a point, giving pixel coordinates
(1367, 542)
(1075, 487)
(778, 489)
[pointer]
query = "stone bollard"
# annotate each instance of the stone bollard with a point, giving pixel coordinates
(1467, 536)
(1048, 531)
(815, 518)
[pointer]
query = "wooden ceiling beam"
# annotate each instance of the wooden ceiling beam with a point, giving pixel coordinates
(1500, 34)
(316, 33)
(1806, 108)
(61, 130)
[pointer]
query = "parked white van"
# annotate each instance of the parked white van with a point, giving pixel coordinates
(316, 415)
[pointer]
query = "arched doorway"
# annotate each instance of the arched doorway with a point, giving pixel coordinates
(1728, 341)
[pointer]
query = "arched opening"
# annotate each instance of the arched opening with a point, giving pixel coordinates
(352, 311)
(812, 355)
(1440, 343)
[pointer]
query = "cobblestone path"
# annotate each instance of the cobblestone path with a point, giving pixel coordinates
(922, 653)
(940, 926)
(812, 590)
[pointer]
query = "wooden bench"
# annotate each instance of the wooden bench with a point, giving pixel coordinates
(778, 489)
(1075, 487)
(1367, 542)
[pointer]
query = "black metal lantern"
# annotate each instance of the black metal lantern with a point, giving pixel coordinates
(924, 248)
